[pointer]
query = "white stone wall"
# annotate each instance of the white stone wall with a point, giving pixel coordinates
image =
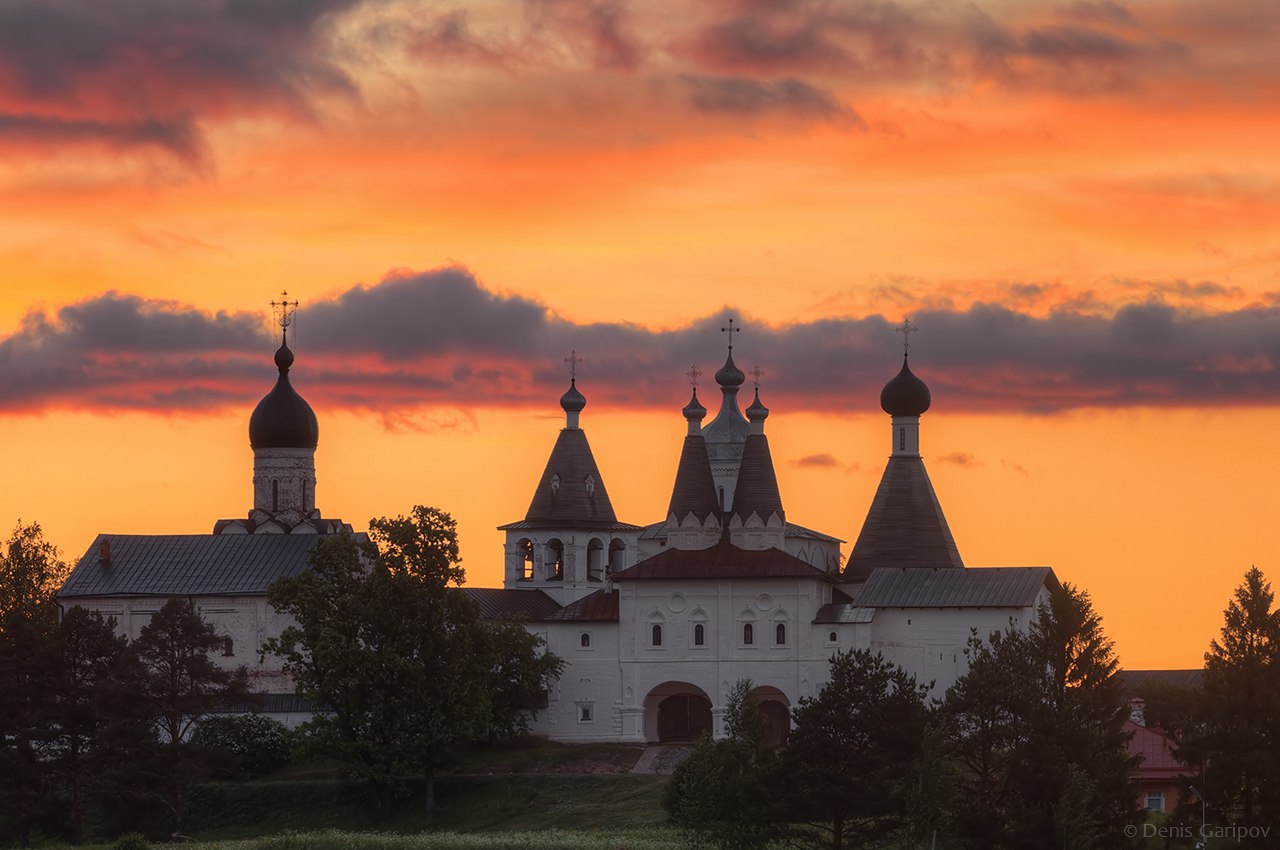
(293, 472)
(247, 620)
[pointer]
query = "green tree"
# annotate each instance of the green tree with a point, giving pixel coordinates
(86, 733)
(1239, 712)
(396, 653)
(520, 673)
(180, 684)
(854, 752)
(31, 571)
(726, 792)
(1038, 725)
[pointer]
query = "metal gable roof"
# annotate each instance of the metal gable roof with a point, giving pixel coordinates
(497, 602)
(723, 560)
(187, 564)
(975, 587)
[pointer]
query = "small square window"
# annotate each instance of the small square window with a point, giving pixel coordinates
(585, 712)
(1155, 801)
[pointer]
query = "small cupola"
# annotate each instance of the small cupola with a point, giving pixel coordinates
(694, 413)
(905, 394)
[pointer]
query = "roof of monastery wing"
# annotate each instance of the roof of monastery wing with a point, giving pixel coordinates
(600, 606)
(571, 493)
(723, 560)
(1137, 682)
(843, 612)
(497, 603)
(979, 587)
(187, 564)
(905, 526)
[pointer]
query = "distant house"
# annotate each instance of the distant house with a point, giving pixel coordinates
(1159, 770)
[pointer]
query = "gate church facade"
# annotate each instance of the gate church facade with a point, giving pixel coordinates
(658, 622)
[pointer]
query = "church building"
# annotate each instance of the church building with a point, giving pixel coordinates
(657, 622)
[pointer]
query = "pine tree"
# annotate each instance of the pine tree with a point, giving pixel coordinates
(1037, 723)
(852, 759)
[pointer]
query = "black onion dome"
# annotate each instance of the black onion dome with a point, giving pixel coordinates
(694, 409)
(573, 401)
(905, 395)
(283, 419)
(730, 375)
(757, 412)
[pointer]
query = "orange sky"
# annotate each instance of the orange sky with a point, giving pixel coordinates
(1077, 202)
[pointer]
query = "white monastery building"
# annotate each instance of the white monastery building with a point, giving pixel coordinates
(656, 622)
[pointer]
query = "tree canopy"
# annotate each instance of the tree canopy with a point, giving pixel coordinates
(1037, 723)
(397, 655)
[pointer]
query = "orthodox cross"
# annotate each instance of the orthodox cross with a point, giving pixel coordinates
(731, 330)
(573, 360)
(757, 373)
(284, 310)
(693, 374)
(906, 329)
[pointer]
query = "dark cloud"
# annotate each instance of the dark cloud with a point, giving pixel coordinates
(820, 461)
(742, 96)
(438, 339)
(964, 460)
(147, 73)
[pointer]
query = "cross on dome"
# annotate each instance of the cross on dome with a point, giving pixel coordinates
(906, 329)
(284, 310)
(573, 360)
(731, 330)
(693, 374)
(756, 374)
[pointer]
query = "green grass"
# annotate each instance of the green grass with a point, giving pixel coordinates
(602, 839)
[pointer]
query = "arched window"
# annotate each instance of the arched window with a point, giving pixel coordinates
(585, 641)
(275, 495)
(657, 634)
(617, 556)
(748, 634)
(590, 483)
(555, 560)
(525, 547)
(833, 637)
(595, 560)
(228, 647)
(780, 634)
(555, 484)
(699, 635)
(902, 439)
(302, 493)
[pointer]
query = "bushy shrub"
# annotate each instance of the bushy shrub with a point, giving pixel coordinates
(132, 841)
(243, 745)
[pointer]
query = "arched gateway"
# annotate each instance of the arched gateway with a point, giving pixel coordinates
(676, 711)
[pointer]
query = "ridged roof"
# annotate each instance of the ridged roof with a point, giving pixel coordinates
(723, 560)
(757, 487)
(905, 526)
(695, 488)
(571, 492)
(1137, 682)
(598, 607)
(978, 587)
(497, 603)
(188, 564)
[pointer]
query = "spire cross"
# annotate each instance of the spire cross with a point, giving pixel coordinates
(284, 310)
(906, 329)
(757, 373)
(731, 330)
(693, 374)
(573, 360)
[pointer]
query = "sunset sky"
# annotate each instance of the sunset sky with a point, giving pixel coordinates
(1077, 203)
